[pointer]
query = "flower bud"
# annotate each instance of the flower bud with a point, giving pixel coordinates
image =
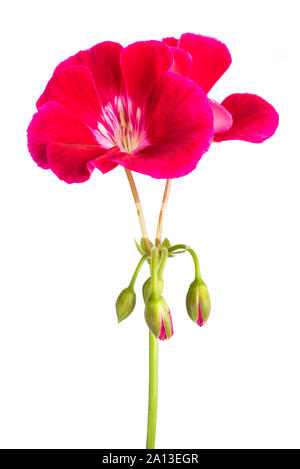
(198, 302)
(158, 317)
(125, 303)
(147, 287)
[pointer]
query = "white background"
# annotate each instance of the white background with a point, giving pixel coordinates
(71, 377)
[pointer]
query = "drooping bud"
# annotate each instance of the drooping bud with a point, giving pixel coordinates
(198, 302)
(126, 300)
(125, 303)
(157, 312)
(147, 287)
(158, 317)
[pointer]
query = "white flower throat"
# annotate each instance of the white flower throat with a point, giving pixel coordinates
(121, 125)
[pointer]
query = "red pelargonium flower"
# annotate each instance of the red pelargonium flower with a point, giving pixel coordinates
(108, 105)
(240, 116)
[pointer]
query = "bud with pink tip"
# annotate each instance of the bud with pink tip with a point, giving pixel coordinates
(198, 302)
(197, 298)
(158, 317)
(157, 312)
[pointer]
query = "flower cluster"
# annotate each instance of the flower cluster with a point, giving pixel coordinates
(157, 312)
(144, 107)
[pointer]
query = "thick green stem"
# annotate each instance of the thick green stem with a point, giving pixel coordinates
(153, 388)
(153, 342)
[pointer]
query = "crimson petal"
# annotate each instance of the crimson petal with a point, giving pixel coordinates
(211, 58)
(142, 63)
(179, 125)
(53, 123)
(254, 119)
(182, 61)
(103, 60)
(171, 41)
(75, 163)
(222, 118)
(73, 87)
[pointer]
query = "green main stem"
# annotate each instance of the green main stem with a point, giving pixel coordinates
(153, 364)
(153, 341)
(153, 389)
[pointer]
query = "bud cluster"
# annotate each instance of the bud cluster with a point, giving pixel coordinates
(157, 313)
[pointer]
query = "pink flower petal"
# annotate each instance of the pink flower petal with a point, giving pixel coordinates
(171, 41)
(211, 58)
(73, 87)
(179, 127)
(162, 332)
(53, 123)
(200, 320)
(103, 60)
(74, 163)
(182, 61)
(254, 119)
(142, 63)
(104, 162)
(222, 118)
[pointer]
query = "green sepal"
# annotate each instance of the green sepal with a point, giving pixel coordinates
(139, 248)
(144, 245)
(166, 243)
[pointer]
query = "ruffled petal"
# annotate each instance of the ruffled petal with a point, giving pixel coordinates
(254, 119)
(75, 163)
(179, 127)
(142, 63)
(53, 123)
(182, 61)
(171, 41)
(222, 118)
(211, 58)
(73, 87)
(103, 60)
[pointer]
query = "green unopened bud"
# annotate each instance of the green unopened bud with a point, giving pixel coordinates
(125, 303)
(198, 302)
(158, 317)
(147, 287)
